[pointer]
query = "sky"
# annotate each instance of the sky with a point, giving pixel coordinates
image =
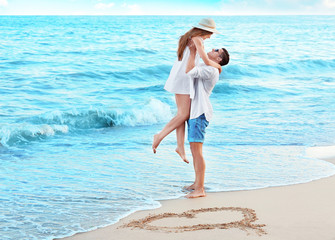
(166, 7)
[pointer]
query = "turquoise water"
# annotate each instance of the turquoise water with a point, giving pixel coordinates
(81, 98)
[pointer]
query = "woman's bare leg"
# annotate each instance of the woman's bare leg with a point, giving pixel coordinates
(180, 133)
(183, 102)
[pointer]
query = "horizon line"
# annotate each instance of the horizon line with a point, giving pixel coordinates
(216, 15)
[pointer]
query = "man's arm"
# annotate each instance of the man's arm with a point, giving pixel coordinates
(201, 51)
(191, 59)
(203, 72)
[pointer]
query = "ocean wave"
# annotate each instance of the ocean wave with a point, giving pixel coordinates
(280, 68)
(139, 90)
(11, 134)
(233, 71)
(247, 89)
(153, 112)
(143, 73)
(57, 122)
(154, 88)
(155, 70)
(21, 62)
(81, 75)
(293, 66)
(136, 51)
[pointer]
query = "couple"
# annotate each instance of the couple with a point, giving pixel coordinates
(192, 83)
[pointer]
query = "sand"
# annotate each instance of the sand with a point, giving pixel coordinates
(300, 212)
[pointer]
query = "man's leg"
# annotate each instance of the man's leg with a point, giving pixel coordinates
(199, 169)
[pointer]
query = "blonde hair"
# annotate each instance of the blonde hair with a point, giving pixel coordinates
(183, 40)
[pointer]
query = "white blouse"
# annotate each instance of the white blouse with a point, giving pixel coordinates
(178, 81)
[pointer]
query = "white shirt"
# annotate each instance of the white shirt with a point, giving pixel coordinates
(202, 81)
(178, 82)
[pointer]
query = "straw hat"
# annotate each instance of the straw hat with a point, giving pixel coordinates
(207, 24)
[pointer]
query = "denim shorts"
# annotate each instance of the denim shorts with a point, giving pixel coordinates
(196, 129)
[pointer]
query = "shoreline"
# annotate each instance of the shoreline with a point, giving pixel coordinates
(305, 204)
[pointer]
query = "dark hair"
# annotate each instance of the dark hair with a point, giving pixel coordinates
(225, 57)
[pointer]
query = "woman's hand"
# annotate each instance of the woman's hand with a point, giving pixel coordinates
(220, 69)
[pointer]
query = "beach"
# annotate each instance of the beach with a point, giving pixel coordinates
(82, 97)
(302, 211)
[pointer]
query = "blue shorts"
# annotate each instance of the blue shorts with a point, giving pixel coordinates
(196, 129)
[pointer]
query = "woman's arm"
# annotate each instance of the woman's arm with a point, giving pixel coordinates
(191, 59)
(200, 48)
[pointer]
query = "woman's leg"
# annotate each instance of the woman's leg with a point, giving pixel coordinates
(180, 133)
(183, 102)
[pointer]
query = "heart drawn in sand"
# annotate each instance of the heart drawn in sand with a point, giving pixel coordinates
(246, 224)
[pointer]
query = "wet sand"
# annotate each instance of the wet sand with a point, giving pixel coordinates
(300, 212)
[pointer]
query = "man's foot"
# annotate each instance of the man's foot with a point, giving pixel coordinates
(155, 143)
(197, 193)
(182, 154)
(189, 188)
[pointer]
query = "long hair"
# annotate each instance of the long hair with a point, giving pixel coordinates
(183, 40)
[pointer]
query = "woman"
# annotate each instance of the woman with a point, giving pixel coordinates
(179, 83)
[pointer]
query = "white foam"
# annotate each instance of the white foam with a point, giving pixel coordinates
(153, 112)
(25, 131)
(324, 152)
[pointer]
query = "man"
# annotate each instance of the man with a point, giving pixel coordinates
(203, 80)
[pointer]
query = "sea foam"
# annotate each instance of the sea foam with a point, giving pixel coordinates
(62, 122)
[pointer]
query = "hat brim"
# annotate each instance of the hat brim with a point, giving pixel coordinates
(207, 29)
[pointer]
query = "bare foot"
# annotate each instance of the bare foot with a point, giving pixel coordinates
(197, 193)
(189, 188)
(155, 143)
(182, 154)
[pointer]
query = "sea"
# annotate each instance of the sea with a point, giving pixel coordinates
(82, 96)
